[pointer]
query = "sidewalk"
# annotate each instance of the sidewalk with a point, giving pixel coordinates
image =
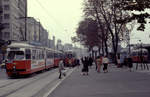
(117, 82)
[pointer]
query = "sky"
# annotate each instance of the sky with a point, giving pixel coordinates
(59, 17)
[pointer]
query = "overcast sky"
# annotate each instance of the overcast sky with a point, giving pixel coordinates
(59, 17)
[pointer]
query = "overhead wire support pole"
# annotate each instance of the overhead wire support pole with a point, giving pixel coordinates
(25, 21)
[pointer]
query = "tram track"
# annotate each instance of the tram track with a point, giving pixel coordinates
(51, 86)
(31, 81)
(9, 84)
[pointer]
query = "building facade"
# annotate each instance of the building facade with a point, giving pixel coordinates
(35, 32)
(13, 11)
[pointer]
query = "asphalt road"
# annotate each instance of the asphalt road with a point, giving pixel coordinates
(118, 82)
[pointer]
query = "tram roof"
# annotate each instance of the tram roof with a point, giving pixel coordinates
(20, 44)
(138, 50)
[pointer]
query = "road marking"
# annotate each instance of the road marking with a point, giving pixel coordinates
(60, 81)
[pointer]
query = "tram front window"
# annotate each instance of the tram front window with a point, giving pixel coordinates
(15, 55)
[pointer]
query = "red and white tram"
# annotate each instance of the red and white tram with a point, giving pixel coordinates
(23, 59)
(139, 55)
(57, 56)
(70, 58)
(49, 58)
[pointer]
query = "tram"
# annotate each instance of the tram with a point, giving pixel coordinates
(70, 58)
(139, 55)
(57, 56)
(24, 59)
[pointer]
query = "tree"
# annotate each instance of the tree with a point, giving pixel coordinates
(87, 33)
(108, 13)
(138, 9)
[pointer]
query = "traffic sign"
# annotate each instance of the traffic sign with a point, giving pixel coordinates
(95, 48)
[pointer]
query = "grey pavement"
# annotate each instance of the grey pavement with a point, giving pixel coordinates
(3, 74)
(118, 82)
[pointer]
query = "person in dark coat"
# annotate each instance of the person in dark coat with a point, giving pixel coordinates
(85, 68)
(130, 63)
(90, 61)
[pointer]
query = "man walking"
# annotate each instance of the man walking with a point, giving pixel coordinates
(61, 68)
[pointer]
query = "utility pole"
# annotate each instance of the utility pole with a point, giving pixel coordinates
(26, 20)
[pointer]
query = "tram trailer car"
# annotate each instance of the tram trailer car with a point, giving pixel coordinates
(139, 55)
(57, 56)
(25, 59)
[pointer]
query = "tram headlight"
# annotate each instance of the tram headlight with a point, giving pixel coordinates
(14, 67)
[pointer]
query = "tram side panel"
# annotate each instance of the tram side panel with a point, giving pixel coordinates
(18, 67)
(38, 61)
(56, 59)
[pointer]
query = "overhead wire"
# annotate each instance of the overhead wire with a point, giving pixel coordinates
(47, 12)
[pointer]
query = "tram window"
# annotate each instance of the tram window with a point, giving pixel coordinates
(33, 54)
(69, 55)
(17, 55)
(37, 55)
(28, 54)
(49, 55)
(55, 55)
(11, 55)
(41, 55)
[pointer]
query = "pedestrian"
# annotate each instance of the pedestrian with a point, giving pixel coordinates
(78, 62)
(70, 62)
(118, 62)
(125, 62)
(105, 63)
(130, 64)
(61, 68)
(99, 63)
(95, 61)
(90, 61)
(85, 68)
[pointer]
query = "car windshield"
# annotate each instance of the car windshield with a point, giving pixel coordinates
(15, 55)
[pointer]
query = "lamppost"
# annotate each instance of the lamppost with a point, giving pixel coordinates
(141, 58)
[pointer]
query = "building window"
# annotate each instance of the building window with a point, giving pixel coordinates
(6, 16)
(1, 18)
(1, 35)
(1, 9)
(6, 25)
(6, 7)
(7, 35)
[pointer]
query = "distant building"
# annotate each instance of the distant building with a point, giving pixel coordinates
(44, 37)
(35, 32)
(68, 46)
(51, 43)
(59, 45)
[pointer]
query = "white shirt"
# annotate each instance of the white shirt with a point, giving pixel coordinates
(105, 60)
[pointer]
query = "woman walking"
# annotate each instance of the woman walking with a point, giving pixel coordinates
(99, 63)
(105, 63)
